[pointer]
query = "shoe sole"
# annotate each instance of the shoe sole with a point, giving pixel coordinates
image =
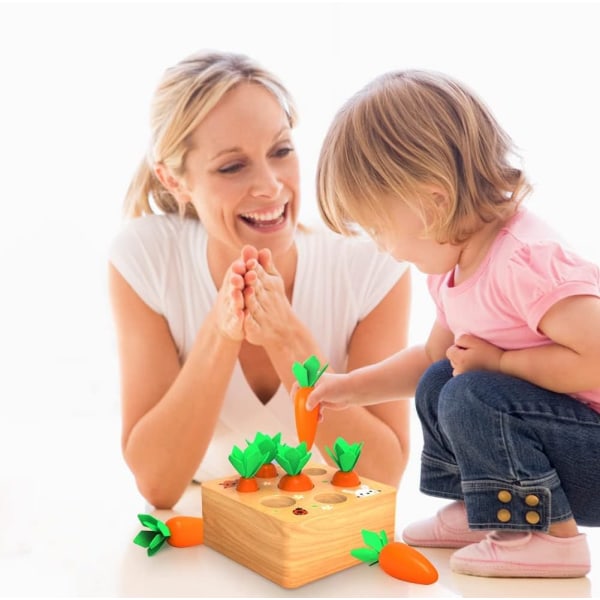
(495, 569)
(451, 544)
(448, 545)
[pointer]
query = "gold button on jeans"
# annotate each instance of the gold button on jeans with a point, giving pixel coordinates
(503, 515)
(505, 496)
(532, 500)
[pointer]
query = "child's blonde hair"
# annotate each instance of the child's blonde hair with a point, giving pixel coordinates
(186, 94)
(407, 129)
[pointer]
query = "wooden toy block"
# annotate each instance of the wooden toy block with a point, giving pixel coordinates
(295, 538)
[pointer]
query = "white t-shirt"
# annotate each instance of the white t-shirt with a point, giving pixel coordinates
(338, 283)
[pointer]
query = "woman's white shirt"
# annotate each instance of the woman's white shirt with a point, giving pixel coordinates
(339, 281)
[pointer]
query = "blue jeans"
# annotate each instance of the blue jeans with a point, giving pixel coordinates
(520, 456)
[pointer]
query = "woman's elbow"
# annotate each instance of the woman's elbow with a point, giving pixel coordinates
(158, 494)
(159, 490)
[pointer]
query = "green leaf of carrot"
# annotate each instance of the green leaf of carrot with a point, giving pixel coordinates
(248, 461)
(266, 444)
(254, 459)
(334, 457)
(308, 373)
(372, 539)
(300, 374)
(312, 365)
(292, 460)
(149, 521)
(143, 538)
(347, 462)
(236, 458)
(384, 537)
(319, 373)
(156, 544)
(367, 555)
(341, 446)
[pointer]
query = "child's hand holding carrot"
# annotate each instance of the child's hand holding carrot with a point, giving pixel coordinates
(334, 391)
(306, 374)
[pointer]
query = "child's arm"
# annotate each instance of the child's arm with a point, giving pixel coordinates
(571, 363)
(568, 365)
(392, 378)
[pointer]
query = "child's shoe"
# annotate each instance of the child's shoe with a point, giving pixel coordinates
(448, 529)
(524, 554)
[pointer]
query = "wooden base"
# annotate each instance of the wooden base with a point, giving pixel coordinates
(295, 538)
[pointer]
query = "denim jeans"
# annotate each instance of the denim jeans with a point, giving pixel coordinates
(520, 456)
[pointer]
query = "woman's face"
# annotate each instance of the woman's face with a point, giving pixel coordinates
(242, 172)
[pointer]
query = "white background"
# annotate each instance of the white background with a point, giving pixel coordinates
(75, 86)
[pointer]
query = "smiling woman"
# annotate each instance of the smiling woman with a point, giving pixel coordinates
(216, 290)
(249, 188)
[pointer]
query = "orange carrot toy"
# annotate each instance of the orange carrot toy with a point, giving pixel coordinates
(306, 375)
(179, 531)
(396, 558)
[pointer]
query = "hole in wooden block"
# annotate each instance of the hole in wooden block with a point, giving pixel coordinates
(314, 472)
(330, 498)
(278, 501)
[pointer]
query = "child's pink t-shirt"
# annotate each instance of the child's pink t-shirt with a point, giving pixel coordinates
(526, 271)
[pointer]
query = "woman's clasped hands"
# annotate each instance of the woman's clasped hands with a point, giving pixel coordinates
(252, 303)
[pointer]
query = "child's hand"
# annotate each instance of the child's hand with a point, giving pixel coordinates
(295, 387)
(332, 391)
(470, 353)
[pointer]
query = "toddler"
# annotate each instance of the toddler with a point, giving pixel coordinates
(507, 385)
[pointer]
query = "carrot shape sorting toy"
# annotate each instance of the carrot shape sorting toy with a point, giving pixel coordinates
(345, 456)
(292, 461)
(247, 462)
(306, 374)
(179, 531)
(396, 558)
(268, 445)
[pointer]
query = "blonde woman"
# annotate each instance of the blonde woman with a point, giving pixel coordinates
(507, 386)
(216, 290)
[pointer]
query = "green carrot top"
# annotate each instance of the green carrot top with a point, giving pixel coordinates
(247, 462)
(308, 373)
(293, 460)
(375, 542)
(345, 455)
(266, 444)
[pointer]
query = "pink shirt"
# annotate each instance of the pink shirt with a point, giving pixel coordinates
(526, 271)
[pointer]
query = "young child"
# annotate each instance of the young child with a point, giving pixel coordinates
(507, 386)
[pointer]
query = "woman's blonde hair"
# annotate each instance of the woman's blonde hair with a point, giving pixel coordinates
(183, 98)
(406, 130)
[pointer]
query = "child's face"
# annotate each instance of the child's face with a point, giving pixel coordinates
(406, 240)
(242, 172)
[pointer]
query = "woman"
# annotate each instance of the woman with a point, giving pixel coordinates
(216, 290)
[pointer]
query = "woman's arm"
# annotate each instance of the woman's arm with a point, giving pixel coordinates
(169, 411)
(271, 321)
